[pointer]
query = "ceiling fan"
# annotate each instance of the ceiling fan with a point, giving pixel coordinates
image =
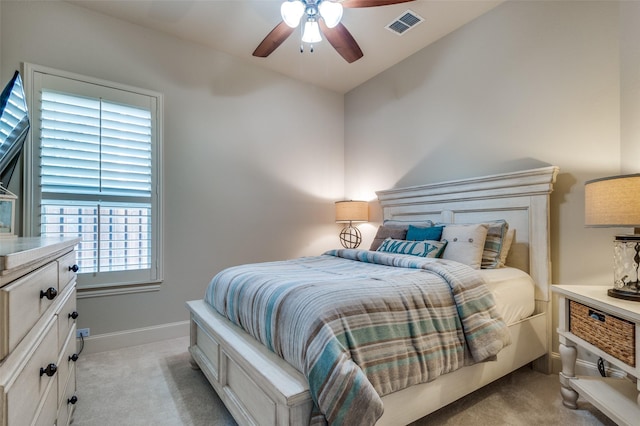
(318, 15)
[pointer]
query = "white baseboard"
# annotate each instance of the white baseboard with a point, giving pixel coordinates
(584, 368)
(134, 337)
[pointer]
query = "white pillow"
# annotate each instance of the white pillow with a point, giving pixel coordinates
(465, 243)
(506, 245)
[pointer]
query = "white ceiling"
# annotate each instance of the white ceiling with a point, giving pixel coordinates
(238, 26)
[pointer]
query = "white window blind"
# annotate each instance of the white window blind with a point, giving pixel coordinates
(96, 173)
(91, 146)
(14, 112)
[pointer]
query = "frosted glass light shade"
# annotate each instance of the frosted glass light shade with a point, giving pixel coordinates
(352, 211)
(331, 13)
(291, 12)
(311, 33)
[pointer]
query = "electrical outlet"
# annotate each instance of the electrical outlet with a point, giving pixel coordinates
(82, 332)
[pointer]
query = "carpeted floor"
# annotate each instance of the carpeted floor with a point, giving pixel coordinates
(154, 384)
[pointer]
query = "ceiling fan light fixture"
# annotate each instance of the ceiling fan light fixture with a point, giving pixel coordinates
(291, 12)
(311, 33)
(331, 12)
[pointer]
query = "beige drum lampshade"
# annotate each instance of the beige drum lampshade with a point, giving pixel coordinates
(352, 211)
(613, 201)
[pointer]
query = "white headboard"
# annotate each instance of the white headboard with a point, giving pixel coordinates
(521, 198)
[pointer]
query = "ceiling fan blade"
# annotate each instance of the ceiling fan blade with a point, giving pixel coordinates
(342, 40)
(274, 39)
(371, 3)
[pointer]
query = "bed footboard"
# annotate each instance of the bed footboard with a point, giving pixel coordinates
(257, 387)
(260, 388)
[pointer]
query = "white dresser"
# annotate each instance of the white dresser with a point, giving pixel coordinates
(37, 331)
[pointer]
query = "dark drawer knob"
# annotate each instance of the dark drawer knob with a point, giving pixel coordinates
(74, 268)
(72, 400)
(74, 357)
(50, 293)
(74, 315)
(49, 371)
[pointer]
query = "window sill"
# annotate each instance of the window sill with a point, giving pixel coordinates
(89, 292)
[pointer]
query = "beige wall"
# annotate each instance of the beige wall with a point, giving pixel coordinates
(525, 85)
(245, 180)
(630, 86)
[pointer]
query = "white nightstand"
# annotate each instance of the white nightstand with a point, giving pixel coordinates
(591, 307)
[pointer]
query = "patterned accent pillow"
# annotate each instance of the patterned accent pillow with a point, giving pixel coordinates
(416, 233)
(465, 243)
(414, 248)
(493, 244)
(388, 231)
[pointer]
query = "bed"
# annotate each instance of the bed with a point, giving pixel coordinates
(260, 388)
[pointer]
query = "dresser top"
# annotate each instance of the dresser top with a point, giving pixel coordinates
(19, 252)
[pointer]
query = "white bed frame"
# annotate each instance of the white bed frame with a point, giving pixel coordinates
(260, 388)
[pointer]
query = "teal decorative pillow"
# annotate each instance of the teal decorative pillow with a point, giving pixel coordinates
(416, 233)
(414, 248)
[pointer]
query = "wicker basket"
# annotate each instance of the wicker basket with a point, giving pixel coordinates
(613, 335)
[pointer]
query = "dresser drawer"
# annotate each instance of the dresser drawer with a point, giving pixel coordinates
(49, 409)
(67, 269)
(23, 302)
(66, 361)
(67, 317)
(26, 391)
(68, 400)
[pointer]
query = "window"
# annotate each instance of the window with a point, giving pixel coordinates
(94, 171)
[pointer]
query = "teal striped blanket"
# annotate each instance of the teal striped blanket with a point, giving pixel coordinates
(361, 324)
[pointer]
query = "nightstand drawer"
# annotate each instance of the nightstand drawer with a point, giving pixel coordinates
(613, 335)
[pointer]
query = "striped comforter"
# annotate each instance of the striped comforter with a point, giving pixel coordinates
(361, 324)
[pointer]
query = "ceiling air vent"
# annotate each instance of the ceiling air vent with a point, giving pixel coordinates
(404, 22)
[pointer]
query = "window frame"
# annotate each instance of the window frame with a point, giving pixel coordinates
(92, 284)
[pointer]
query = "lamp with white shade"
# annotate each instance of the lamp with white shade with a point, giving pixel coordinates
(615, 202)
(349, 212)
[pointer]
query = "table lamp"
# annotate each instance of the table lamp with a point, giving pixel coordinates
(349, 212)
(615, 202)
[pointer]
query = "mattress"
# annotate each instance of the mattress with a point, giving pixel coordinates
(513, 291)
